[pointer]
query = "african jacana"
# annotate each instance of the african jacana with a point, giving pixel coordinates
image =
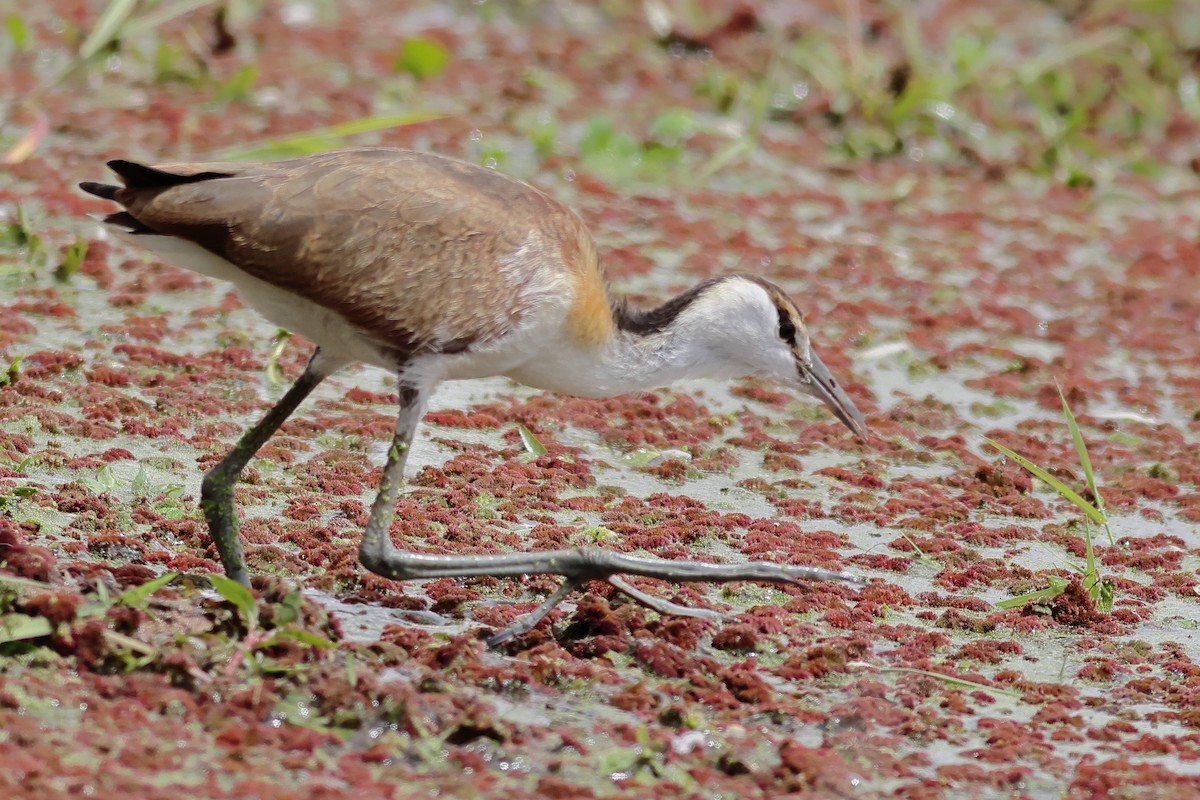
(440, 270)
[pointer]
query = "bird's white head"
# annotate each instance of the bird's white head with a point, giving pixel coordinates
(748, 326)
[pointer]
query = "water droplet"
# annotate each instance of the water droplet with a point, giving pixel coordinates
(944, 110)
(475, 135)
(569, 175)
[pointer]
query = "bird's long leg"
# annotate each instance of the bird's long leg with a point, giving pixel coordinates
(216, 489)
(577, 566)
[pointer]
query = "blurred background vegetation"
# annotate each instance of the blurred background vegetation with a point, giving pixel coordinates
(1078, 92)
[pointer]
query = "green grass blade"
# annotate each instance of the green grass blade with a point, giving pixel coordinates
(274, 374)
(1060, 487)
(239, 595)
(1085, 461)
(1080, 446)
(1057, 586)
(300, 635)
(24, 584)
(163, 14)
(138, 594)
(309, 142)
(107, 27)
(1090, 573)
(19, 627)
(737, 149)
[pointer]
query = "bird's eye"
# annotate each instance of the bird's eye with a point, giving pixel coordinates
(787, 328)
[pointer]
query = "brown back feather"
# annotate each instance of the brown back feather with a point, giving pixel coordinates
(399, 243)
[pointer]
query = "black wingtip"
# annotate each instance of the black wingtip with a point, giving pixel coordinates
(139, 176)
(104, 190)
(127, 222)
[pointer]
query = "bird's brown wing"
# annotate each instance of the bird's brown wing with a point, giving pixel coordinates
(406, 246)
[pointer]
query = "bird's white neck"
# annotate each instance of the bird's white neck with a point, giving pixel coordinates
(629, 363)
(712, 332)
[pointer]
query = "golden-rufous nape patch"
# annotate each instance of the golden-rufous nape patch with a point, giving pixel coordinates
(590, 316)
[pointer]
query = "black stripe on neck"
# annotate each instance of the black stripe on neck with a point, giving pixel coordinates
(648, 321)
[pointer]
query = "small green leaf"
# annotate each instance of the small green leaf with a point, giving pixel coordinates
(11, 373)
(138, 485)
(19, 627)
(674, 126)
(239, 595)
(422, 58)
(106, 479)
(72, 260)
(19, 231)
(136, 596)
(288, 610)
(530, 442)
(237, 87)
(18, 31)
(597, 137)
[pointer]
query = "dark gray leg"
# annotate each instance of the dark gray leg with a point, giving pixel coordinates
(577, 566)
(216, 490)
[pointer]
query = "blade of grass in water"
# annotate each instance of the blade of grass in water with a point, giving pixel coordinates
(530, 442)
(1100, 590)
(1055, 483)
(1084, 461)
(1056, 587)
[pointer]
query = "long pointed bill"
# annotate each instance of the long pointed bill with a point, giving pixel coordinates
(820, 383)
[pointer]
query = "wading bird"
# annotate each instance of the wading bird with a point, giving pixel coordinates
(438, 270)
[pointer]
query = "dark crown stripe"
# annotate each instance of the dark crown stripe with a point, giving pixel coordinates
(647, 321)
